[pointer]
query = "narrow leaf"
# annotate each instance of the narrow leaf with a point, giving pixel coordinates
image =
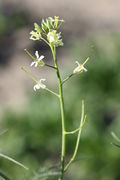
(13, 160)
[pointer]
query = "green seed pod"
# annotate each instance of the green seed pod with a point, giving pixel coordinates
(44, 26)
(37, 28)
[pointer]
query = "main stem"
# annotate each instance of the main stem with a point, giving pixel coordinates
(61, 99)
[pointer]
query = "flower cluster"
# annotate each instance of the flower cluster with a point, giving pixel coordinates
(48, 31)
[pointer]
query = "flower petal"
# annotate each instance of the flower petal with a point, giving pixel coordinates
(32, 38)
(37, 55)
(84, 69)
(43, 86)
(40, 58)
(51, 39)
(36, 64)
(42, 80)
(36, 87)
(32, 63)
(77, 63)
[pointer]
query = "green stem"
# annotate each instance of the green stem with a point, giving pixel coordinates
(78, 139)
(50, 66)
(52, 92)
(76, 130)
(30, 75)
(4, 176)
(67, 78)
(29, 54)
(45, 41)
(53, 49)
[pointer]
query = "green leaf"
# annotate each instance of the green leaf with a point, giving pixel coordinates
(13, 160)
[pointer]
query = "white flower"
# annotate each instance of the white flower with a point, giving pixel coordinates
(54, 38)
(80, 68)
(35, 35)
(39, 60)
(51, 37)
(39, 85)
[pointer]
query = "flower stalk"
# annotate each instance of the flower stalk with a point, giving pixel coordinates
(61, 100)
(83, 118)
(34, 79)
(48, 32)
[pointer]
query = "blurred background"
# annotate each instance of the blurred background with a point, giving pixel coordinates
(31, 120)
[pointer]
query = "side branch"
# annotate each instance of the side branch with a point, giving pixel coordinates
(34, 79)
(52, 92)
(76, 130)
(33, 58)
(67, 78)
(78, 138)
(50, 66)
(29, 54)
(30, 75)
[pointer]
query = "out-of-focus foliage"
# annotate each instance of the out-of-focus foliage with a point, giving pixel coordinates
(11, 19)
(34, 135)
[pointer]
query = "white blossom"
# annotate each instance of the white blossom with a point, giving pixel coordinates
(39, 60)
(35, 35)
(40, 85)
(80, 68)
(51, 37)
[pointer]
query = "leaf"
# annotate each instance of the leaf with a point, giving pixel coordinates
(13, 160)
